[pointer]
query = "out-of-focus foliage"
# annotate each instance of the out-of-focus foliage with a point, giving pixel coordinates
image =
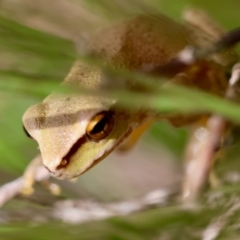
(38, 44)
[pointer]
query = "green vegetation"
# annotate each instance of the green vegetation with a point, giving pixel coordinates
(34, 62)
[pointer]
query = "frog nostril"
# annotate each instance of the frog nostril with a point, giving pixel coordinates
(63, 164)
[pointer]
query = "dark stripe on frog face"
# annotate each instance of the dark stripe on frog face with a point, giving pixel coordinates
(66, 159)
(57, 120)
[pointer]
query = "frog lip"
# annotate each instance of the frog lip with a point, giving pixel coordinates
(57, 174)
(64, 174)
(48, 169)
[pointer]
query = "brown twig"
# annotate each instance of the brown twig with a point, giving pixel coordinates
(75, 212)
(78, 211)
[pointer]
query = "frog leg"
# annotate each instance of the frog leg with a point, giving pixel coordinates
(30, 177)
(206, 140)
(206, 31)
(201, 20)
(200, 155)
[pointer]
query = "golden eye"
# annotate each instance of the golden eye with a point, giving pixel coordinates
(100, 125)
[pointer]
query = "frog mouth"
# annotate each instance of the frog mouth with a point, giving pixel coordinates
(61, 174)
(107, 152)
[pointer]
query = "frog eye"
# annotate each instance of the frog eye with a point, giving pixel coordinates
(26, 132)
(100, 126)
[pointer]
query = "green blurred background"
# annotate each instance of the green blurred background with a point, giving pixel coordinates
(38, 44)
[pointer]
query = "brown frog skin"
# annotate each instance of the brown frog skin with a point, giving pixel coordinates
(74, 132)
